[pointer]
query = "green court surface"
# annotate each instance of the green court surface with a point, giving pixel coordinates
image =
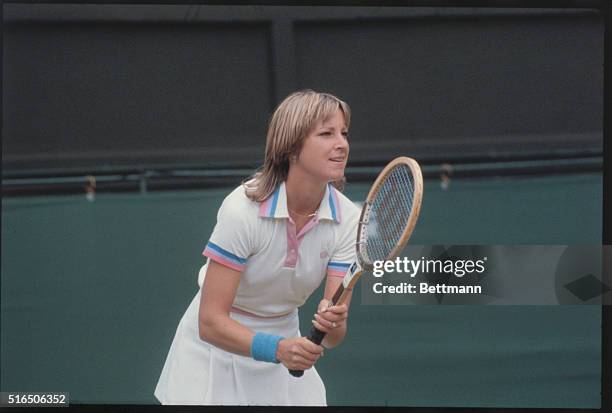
(92, 293)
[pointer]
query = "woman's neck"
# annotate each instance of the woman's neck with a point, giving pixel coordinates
(303, 195)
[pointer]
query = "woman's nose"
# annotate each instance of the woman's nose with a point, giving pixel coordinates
(342, 142)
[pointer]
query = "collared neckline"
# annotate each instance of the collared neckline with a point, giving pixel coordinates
(275, 206)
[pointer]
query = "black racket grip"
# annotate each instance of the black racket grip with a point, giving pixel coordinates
(316, 336)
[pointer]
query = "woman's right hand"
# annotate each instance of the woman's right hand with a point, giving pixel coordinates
(298, 353)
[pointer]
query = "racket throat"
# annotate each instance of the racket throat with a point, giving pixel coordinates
(348, 282)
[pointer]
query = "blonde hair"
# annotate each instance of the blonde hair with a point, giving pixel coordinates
(291, 122)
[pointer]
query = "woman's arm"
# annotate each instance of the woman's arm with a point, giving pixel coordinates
(332, 320)
(216, 326)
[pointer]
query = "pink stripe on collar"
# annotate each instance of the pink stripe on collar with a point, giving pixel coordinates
(264, 207)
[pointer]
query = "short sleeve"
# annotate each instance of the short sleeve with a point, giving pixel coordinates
(231, 242)
(344, 252)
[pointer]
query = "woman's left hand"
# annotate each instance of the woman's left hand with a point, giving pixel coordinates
(330, 318)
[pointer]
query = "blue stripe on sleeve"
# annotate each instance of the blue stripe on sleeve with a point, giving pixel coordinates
(339, 265)
(226, 253)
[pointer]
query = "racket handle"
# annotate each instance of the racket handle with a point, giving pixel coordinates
(297, 373)
(316, 336)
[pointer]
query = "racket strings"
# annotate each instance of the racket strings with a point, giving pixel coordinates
(389, 214)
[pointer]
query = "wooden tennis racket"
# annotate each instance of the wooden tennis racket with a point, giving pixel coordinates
(387, 220)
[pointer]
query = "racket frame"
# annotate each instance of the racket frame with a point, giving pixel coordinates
(363, 262)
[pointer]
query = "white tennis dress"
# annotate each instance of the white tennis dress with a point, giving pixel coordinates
(280, 270)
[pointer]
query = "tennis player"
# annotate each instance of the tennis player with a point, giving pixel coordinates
(277, 237)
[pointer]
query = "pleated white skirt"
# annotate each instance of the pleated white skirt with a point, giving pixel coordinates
(198, 373)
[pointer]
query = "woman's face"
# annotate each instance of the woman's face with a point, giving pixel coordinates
(325, 150)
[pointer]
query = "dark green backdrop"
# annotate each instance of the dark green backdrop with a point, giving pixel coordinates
(92, 293)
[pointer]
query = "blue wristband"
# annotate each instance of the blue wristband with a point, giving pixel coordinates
(263, 347)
